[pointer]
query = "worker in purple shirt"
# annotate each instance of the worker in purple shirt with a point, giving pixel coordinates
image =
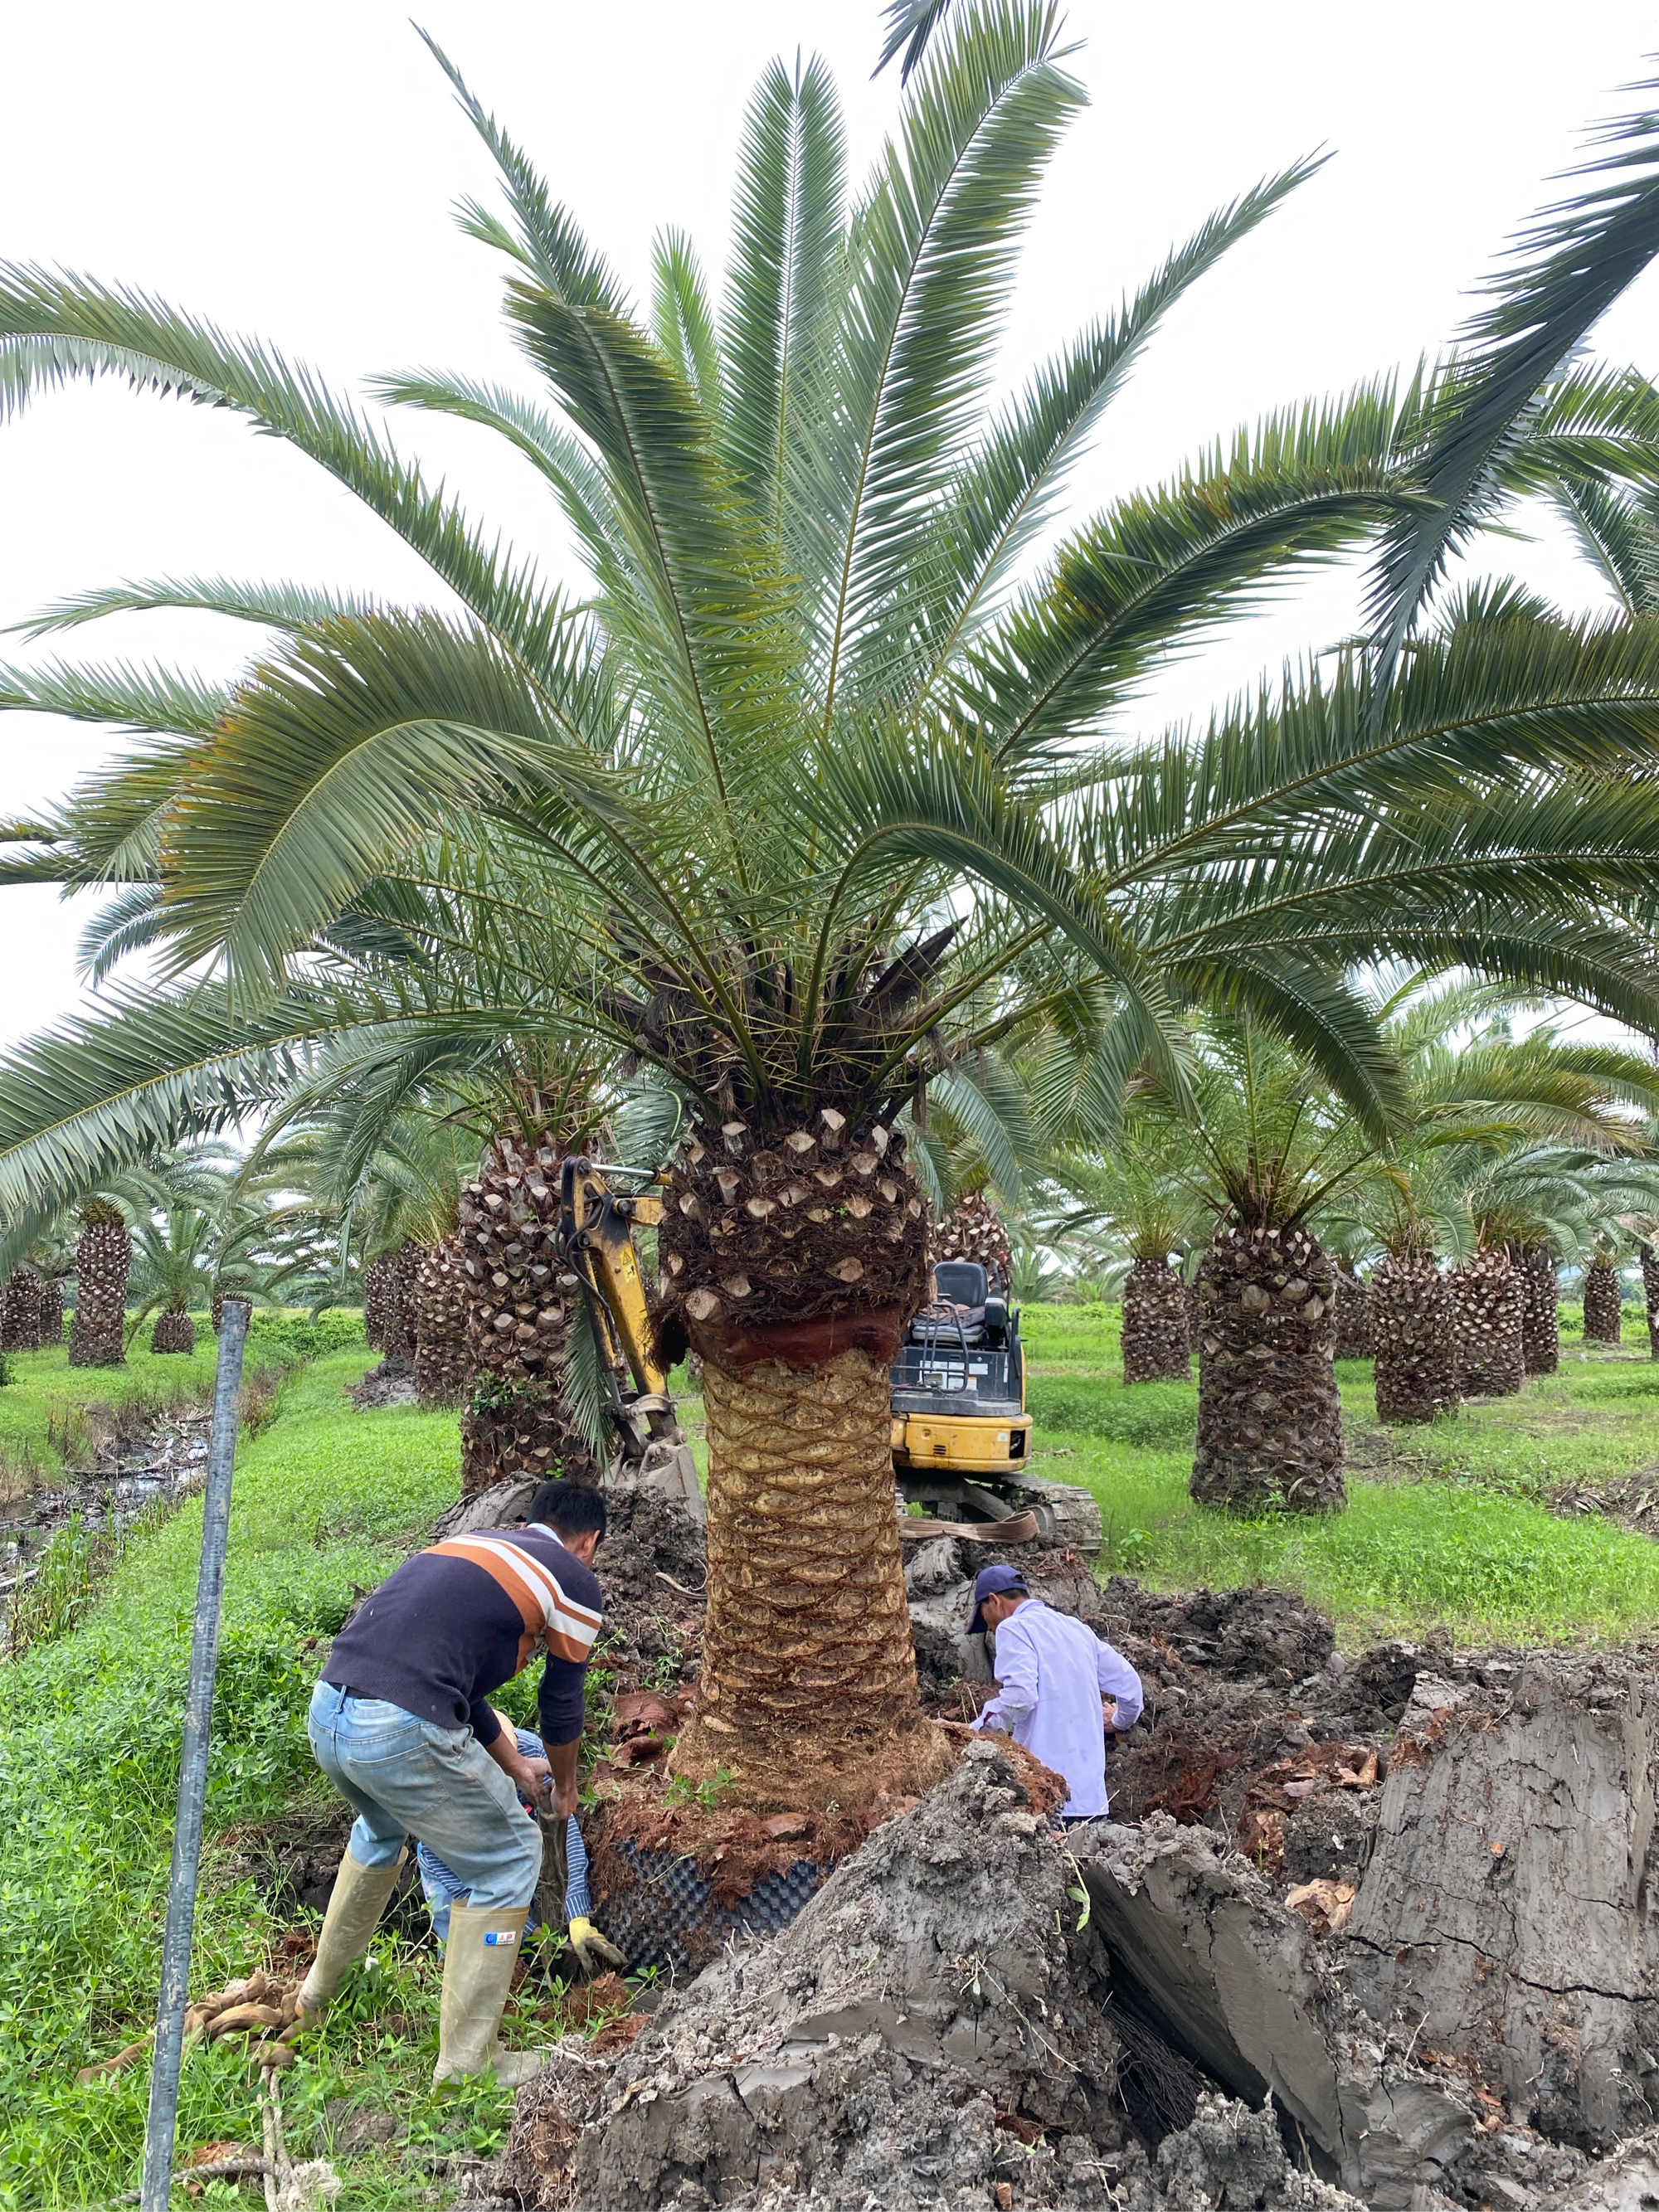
(1052, 1675)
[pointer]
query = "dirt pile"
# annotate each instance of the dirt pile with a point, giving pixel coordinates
(1507, 1910)
(922, 2031)
(953, 2021)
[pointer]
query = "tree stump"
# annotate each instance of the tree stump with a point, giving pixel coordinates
(1488, 1300)
(1269, 1418)
(1156, 1347)
(1416, 1353)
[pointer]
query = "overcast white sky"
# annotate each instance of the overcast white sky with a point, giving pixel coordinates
(290, 173)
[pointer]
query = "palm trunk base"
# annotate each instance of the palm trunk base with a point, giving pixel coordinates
(1650, 1293)
(1416, 1372)
(808, 1664)
(1155, 1346)
(528, 1436)
(1269, 1416)
(853, 1775)
(1540, 1321)
(173, 1331)
(1603, 1295)
(1489, 1301)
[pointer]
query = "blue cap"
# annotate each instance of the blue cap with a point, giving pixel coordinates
(993, 1581)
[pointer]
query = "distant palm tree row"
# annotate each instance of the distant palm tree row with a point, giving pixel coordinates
(817, 799)
(1514, 1149)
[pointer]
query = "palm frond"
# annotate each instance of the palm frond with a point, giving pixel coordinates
(1565, 271)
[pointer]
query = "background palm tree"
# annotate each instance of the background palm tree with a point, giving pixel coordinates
(103, 1261)
(1146, 1193)
(805, 792)
(1603, 1293)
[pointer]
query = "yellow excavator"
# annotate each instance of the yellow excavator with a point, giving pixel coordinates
(962, 1436)
(596, 1242)
(960, 1433)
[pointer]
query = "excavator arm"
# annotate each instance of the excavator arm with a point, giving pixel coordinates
(596, 1240)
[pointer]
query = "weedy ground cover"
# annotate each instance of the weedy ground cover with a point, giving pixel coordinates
(52, 1416)
(326, 1501)
(1443, 1526)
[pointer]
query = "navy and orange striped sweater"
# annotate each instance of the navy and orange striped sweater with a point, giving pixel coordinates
(455, 1622)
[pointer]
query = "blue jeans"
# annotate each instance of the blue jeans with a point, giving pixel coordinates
(443, 1885)
(406, 1777)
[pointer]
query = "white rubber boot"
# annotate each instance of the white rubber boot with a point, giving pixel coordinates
(360, 1896)
(479, 1957)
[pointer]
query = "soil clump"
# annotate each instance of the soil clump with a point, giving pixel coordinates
(391, 1383)
(1298, 1964)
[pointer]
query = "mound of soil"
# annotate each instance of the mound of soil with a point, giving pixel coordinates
(653, 1566)
(391, 1383)
(943, 2025)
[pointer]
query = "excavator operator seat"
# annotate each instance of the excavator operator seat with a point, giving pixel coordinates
(961, 1282)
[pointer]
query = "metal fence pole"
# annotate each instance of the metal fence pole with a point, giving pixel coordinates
(192, 1767)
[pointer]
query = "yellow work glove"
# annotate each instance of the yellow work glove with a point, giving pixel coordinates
(594, 1952)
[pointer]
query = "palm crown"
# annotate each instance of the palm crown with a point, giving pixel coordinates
(801, 792)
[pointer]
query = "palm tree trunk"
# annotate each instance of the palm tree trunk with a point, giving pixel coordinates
(973, 1230)
(440, 1303)
(19, 1311)
(51, 1311)
(792, 1270)
(1156, 1347)
(1488, 1301)
(1269, 1418)
(1416, 1373)
(1650, 1291)
(1540, 1321)
(103, 1261)
(377, 1292)
(1603, 1295)
(808, 1625)
(518, 1323)
(174, 1331)
(1353, 1314)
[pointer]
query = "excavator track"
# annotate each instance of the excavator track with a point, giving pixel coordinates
(1065, 1514)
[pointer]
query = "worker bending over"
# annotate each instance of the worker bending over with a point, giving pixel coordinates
(1053, 1673)
(402, 1725)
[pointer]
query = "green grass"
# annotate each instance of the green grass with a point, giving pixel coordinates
(1446, 1529)
(44, 1428)
(324, 1501)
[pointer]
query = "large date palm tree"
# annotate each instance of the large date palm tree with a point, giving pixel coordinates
(805, 781)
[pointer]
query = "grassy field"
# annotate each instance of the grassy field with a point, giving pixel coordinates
(1443, 1526)
(324, 1501)
(52, 1413)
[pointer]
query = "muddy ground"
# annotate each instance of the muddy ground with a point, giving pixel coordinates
(1374, 1928)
